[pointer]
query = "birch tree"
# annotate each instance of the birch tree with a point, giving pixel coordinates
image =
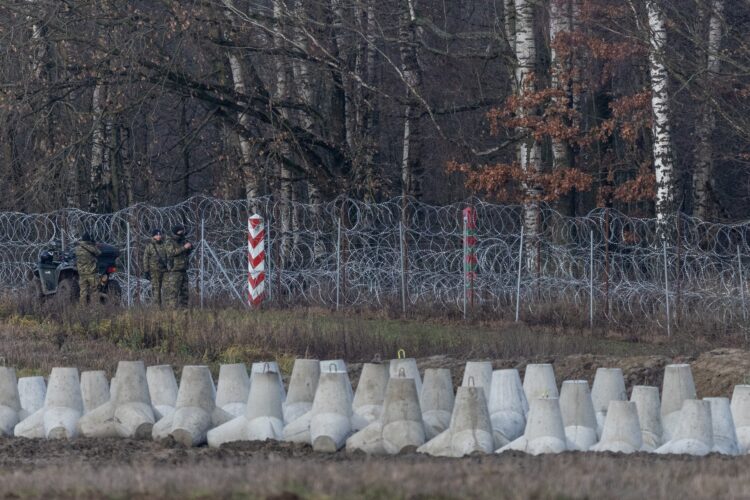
(704, 192)
(662, 140)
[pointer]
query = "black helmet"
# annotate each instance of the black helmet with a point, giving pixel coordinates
(155, 231)
(178, 230)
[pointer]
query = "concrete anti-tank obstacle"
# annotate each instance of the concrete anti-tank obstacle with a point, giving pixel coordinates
(268, 367)
(302, 386)
(539, 382)
(725, 436)
(402, 425)
(128, 413)
(31, 391)
(470, 430)
(162, 389)
(330, 420)
(63, 407)
(622, 432)
(507, 406)
(544, 432)
(609, 385)
(263, 418)
(694, 433)
(436, 401)
(578, 415)
(195, 411)
(233, 388)
(10, 402)
(646, 399)
(338, 366)
(741, 415)
(94, 389)
(406, 368)
(367, 405)
(677, 387)
(481, 373)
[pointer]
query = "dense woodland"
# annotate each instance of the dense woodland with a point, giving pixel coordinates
(639, 105)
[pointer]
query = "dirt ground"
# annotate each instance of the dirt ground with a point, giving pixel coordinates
(86, 468)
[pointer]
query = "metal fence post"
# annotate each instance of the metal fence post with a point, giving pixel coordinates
(127, 251)
(338, 265)
(202, 259)
(742, 287)
(518, 280)
(403, 266)
(666, 287)
(591, 281)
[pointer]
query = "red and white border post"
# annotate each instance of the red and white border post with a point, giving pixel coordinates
(256, 260)
(469, 257)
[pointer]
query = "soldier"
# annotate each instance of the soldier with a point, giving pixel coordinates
(155, 264)
(175, 286)
(88, 278)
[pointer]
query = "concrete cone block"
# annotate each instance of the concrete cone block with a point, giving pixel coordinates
(63, 404)
(725, 436)
(298, 431)
(694, 434)
(406, 368)
(439, 446)
(10, 402)
(480, 374)
(233, 388)
(544, 432)
(133, 414)
(330, 424)
(31, 392)
(264, 412)
(471, 429)
(507, 406)
(266, 367)
(368, 398)
(94, 389)
(195, 406)
(578, 415)
(539, 382)
(403, 429)
(436, 400)
(678, 386)
(368, 440)
(32, 427)
(162, 389)
(99, 422)
(646, 399)
(302, 386)
(338, 366)
(609, 385)
(741, 415)
(622, 432)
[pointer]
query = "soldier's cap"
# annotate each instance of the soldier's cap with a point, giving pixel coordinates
(179, 228)
(155, 231)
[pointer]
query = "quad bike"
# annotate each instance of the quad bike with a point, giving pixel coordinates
(55, 275)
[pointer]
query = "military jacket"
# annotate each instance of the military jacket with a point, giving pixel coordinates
(155, 259)
(179, 256)
(86, 254)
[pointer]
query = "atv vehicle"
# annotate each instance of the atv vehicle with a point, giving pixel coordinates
(55, 274)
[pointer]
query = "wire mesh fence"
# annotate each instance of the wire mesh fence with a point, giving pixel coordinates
(346, 253)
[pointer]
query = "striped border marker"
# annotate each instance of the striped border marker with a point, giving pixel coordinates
(256, 260)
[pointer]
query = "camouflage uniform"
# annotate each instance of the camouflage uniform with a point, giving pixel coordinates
(88, 277)
(155, 263)
(175, 287)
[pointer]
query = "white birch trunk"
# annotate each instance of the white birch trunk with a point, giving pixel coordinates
(529, 150)
(412, 76)
(662, 143)
(249, 165)
(704, 200)
(97, 146)
(560, 22)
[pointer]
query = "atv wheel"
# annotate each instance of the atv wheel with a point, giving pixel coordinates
(113, 294)
(67, 291)
(33, 290)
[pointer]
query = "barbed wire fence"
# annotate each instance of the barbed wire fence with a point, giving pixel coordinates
(345, 253)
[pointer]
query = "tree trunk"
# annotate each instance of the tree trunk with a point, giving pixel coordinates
(97, 147)
(662, 143)
(529, 150)
(411, 168)
(704, 194)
